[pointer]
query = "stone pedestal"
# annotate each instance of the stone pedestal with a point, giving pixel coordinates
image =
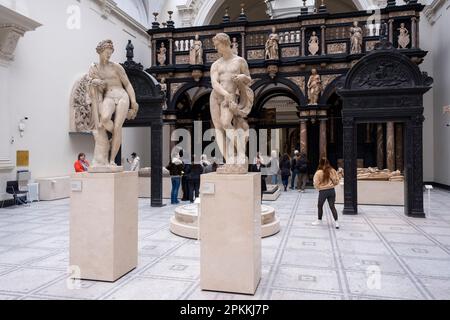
(104, 224)
(230, 232)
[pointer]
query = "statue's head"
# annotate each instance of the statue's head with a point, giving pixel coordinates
(314, 71)
(105, 49)
(314, 33)
(197, 37)
(222, 42)
(355, 23)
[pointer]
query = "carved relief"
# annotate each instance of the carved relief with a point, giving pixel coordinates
(327, 79)
(385, 73)
(212, 56)
(337, 48)
(184, 59)
(336, 66)
(300, 82)
(313, 44)
(80, 107)
(370, 45)
(255, 54)
(290, 52)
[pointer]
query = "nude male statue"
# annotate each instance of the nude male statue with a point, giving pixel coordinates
(231, 101)
(111, 93)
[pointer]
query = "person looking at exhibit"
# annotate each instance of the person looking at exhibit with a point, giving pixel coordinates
(285, 166)
(135, 162)
(175, 167)
(274, 167)
(81, 165)
(302, 168)
(258, 167)
(325, 180)
(193, 179)
(294, 169)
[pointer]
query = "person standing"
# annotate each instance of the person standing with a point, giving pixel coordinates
(135, 162)
(274, 167)
(175, 168)
(294, 169)
(285, 167)
(325, 180)
(302, 168)
(258, 167)
(81, 165)
(193, 179)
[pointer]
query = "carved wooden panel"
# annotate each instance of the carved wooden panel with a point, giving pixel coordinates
(370, 45)
(212, 57)
(255, 54)
(183, 59)
(337, 48)
(290, 52)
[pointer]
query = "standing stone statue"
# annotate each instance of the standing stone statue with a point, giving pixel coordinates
(272, 46)
(314, 87)
(403, 37)
(313, 44)
(235, 47)
(162, 55)
(196, 52)
(111, 94)
(231, 101)
(356, 38)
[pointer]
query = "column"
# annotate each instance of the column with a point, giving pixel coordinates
(368, 133)
(303, 41)
(156, 145)
(171, 52)
(5, 122)
(399, 147)
(154, 49)
(323, 138)
(380, 146)
(243, 44)
(390, 146)
(332, 130)
(324, 51)
(350, 175)
(303, 137)
(391, 30)
(414, 32)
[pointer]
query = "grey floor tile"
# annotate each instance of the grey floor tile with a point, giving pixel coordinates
(27, 279)
(307, 279)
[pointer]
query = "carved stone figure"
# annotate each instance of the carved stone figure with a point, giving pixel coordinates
(314, 87)
(81, 107)
(162, 55)
(313, 44)
(163, 85)
(235, 47)
(272, 46)
(231, 101)
(356, 38)
(196, 52)
(403, 37)
(111, 94)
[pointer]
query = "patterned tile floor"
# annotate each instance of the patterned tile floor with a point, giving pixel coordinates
(379, 254)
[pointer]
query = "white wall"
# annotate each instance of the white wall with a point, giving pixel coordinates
(47, 63)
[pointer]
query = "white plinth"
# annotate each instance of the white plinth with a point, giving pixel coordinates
(104, 224)
(54, 188)
(386, 193)
(230, 233)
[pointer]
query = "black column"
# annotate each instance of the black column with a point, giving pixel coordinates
(350, 174)
(414, 168)
(156, 148)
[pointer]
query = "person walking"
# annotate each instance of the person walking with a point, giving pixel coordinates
(285, 166)
(81, 165)
(294, 169)
(325, 180)
(193, 179)
(302, 168)
(175, 168)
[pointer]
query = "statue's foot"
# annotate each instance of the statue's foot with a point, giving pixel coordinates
(113, 164)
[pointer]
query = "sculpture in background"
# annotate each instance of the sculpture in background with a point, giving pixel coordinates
(314, 87)
(162, 55)
(111, 94)
(272, 46)
(231, 101)
(196, 52)
(403, 37)
(235, 47)
(356, 38)
(81, 107)
(313, 44)
(163, 85)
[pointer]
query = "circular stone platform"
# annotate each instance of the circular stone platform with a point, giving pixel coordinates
(185, 221)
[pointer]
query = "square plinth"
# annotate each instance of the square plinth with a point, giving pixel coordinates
(104, 225)
(230, 232)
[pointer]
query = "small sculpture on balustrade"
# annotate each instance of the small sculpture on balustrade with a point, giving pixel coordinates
(196, 52)
(403, 37)
(313, 44)
(356, 38)
(272, 46)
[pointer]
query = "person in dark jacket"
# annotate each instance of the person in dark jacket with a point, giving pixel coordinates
(302, 168)
(175, 168)
(285, 167)
(294, 169)
(193, 174)
(258, 168)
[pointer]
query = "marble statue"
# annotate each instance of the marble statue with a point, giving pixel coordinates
(272, 46)
(314, 87)
(356, 38)
(196, 52)
(403, 37)
(231, 101)
(313, 44)
(111, 94)
(163, 85)
(162, 55)
(235, 47)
